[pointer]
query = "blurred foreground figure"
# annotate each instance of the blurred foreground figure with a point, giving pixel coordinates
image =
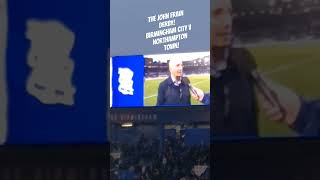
(234, 103)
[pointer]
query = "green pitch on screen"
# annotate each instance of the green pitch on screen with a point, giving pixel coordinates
(151, 88)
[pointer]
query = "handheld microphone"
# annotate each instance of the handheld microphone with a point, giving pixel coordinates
(187, 81)
(247, 64)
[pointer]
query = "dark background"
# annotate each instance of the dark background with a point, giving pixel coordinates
(50, 162)
(290, 159)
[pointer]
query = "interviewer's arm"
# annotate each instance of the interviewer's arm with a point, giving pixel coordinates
(206, 99)
(308, 120)
(301, 115)
(200, 96)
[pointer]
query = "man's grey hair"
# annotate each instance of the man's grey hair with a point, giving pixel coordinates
(174, 62)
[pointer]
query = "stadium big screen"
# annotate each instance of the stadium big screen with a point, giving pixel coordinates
(160, 54)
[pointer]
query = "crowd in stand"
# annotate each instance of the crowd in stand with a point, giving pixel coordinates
(148, 160)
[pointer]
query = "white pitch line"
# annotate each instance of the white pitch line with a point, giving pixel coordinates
(150, 96)
(155, 95)
(287, 66)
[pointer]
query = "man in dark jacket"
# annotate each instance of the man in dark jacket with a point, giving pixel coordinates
(175, 89)
(234, 110)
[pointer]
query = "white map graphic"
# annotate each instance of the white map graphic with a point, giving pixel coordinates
(125, 81)
(3, 84)
(51, 78)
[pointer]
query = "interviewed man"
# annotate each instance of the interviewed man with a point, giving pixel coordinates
(233, 110)
(175, 89)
